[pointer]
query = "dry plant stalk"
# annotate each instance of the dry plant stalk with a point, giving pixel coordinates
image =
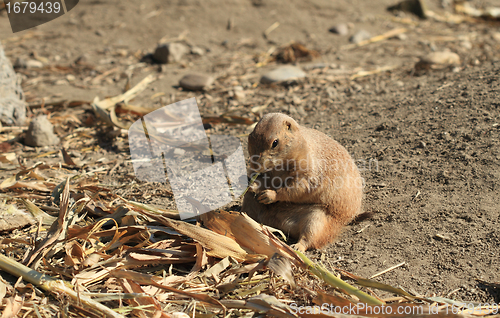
(336, 282)
(50, 284)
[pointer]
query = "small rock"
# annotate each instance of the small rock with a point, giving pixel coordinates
(340, 29)
(445, 136)
(360, 36)
(27, 63)
(496, 36)
(61, 82)
(40, 133)
(169, 52)
(283, 73)
(466, 44)
(196, 81)
(402, 37)
(12, 105)
(421, 144)
(179, 315)
(258, 3)
(196, 50)
(416, 7)
(239, 94)
(82, 59)
(438, 60)
(442, 237)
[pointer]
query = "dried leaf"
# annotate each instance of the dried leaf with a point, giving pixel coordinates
(55, 231)
(37, 213)
(8, 157)
(241, 228)
(12, 218)
(151, 307)
(67, 158)
(151, 280)
(217, 245)
(13, 306)
(3, 290)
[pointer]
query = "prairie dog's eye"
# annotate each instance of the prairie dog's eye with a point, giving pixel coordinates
(275, 143)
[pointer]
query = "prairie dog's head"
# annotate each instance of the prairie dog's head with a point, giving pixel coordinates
(273, 142)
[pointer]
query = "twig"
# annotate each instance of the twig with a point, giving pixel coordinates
(373, 72)
(378, 38)
(273, 27)
(387, 270)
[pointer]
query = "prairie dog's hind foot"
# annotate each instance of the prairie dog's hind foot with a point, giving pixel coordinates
(298, 247)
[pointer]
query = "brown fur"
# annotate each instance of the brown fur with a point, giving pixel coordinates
(309, 186)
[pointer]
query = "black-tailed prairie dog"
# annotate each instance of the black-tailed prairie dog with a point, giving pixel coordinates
(309, 186)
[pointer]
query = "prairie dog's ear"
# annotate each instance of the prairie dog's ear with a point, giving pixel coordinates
(288, 124)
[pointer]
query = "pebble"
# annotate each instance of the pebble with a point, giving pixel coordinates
(179, 315)
(446, 136)
(27, 63)
(12, 105)
(169, 52)
(496, 36)
(196, 81)
(40, 133)
(239, 93)
(417, 7)
(82, 59)
(438, 60)
(442, 237)
(196, 50)
(402, 37)
(466, 44)
(283, 73)
(360, 36)
(340, 29)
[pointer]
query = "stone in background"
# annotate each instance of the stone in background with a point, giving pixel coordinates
(12, 104)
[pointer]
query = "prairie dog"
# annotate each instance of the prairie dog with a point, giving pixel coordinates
(309, 186)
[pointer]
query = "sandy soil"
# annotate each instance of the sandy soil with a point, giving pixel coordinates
(432, 139)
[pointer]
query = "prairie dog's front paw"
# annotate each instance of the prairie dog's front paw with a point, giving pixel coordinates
(254, 187)
(267, 197)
